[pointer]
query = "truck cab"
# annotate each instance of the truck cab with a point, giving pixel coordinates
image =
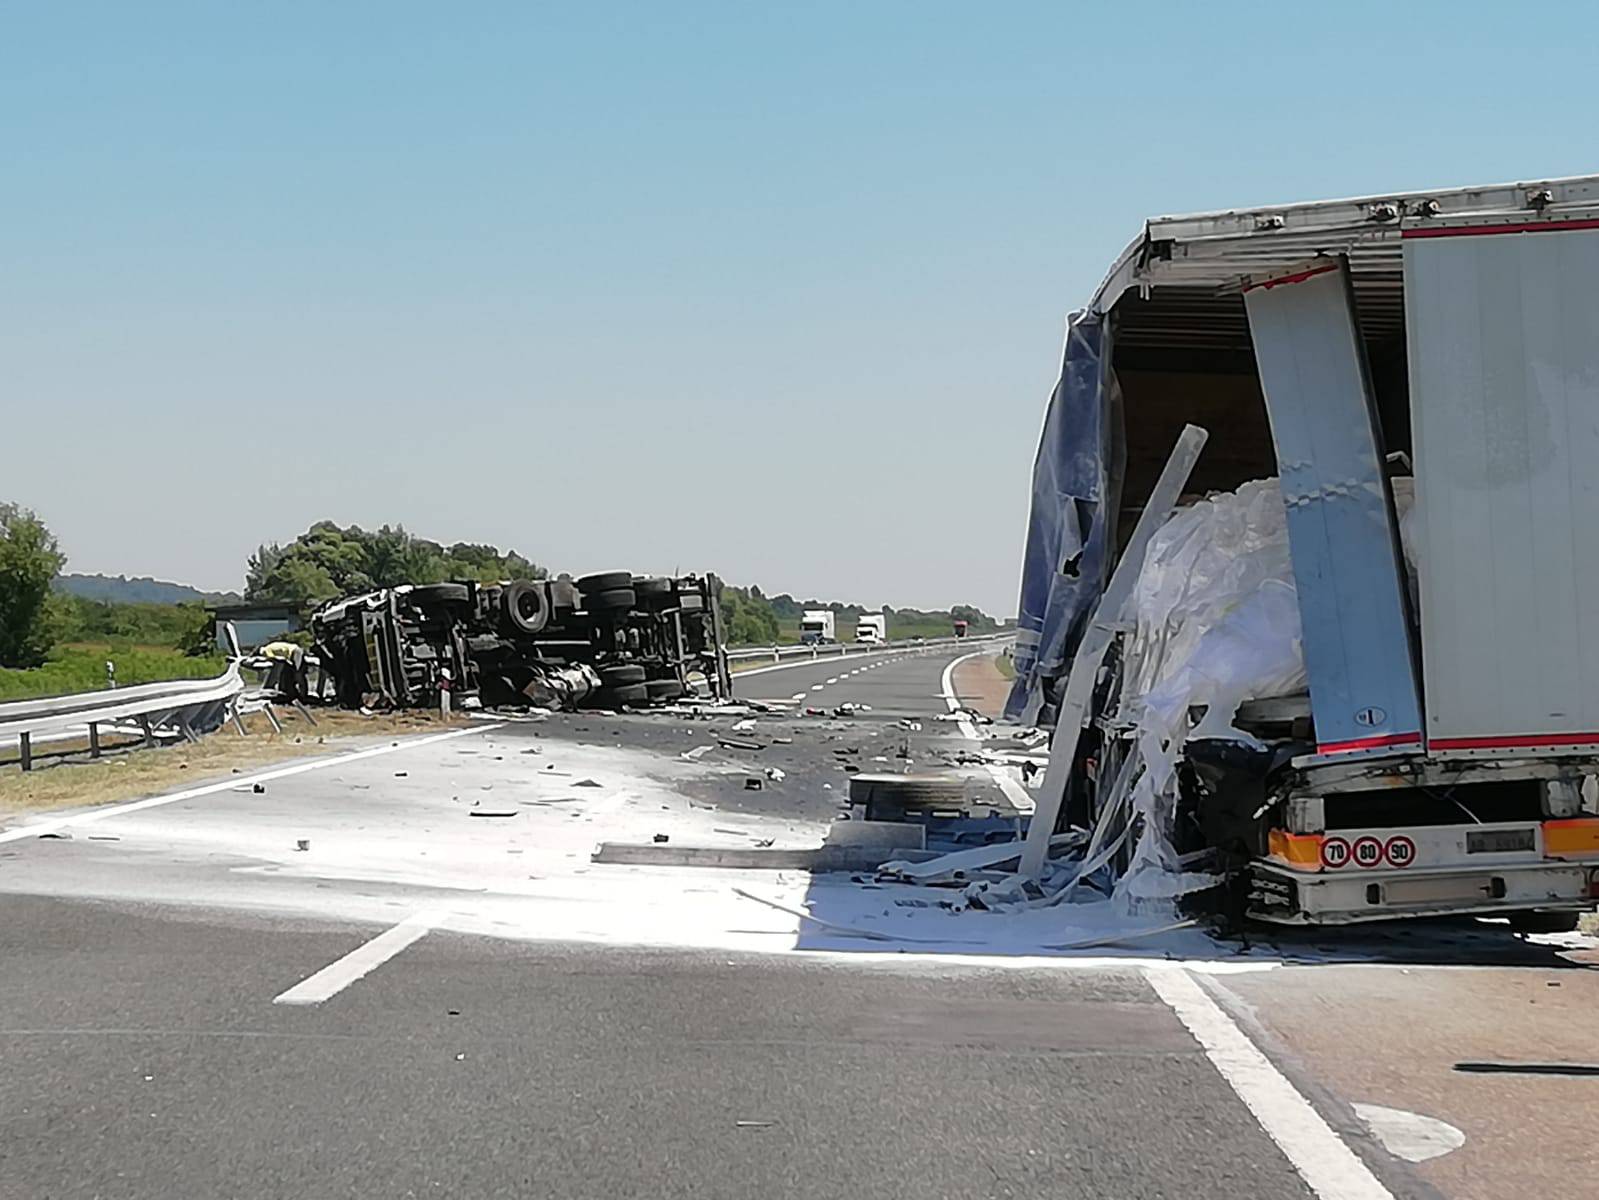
(871, 629)
(1342, 653)
(817, 627)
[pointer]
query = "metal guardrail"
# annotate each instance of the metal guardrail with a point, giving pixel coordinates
(842, 649)
(180, 703)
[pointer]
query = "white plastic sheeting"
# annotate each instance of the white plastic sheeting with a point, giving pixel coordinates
(1216, 613)
(1216, 622)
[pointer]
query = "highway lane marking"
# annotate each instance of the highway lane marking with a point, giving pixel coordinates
(797, 696)
(1331, 1169)
(1018, 795)
(365, 958)
(833, 680)
(811, 662)
(232, 781)
(817, 688)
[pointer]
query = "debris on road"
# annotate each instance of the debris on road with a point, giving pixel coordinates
(660, 838)
(302, 844)
(753, 783)
(697, 753)
(738, 744)
(775, 774)
(586, 783)
(744, 726)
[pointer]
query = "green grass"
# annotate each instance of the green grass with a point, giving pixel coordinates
(80, 667)
(1005, 665)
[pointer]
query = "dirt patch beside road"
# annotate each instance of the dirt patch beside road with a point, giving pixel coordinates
(136, 772)
(980, 684)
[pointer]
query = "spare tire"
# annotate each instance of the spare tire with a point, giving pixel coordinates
(634, 693)
(665, 689)
(526, 607)
(621, 674)
(611, 600)
(440, 593)
(605, 581)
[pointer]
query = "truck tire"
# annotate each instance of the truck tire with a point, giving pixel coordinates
(653, 591)
(604, 581)
(440, 593)
(665, 689)
(612, 600)
(1544, 922)
(635, 695)
(526, 607)
(621, 674)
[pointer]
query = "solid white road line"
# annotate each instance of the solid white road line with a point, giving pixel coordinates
(233, 781)
(1327, 1164)
(341, 973)
(1014, 791)
(810, 662)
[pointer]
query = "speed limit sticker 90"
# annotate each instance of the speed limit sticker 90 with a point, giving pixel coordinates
(1367, 852)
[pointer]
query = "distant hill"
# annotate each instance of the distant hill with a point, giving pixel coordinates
(119, 589)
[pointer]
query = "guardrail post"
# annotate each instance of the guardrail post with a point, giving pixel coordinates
(94, 739)
(25, 750)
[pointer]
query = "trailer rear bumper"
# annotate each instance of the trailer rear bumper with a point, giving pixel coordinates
(1289, 897)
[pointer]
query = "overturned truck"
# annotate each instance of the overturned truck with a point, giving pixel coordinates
(1336, 655)
(609, 639)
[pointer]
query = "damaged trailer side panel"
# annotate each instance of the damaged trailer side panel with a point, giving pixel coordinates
(1341, 527)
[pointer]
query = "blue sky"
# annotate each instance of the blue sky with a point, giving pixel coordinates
(772, 290)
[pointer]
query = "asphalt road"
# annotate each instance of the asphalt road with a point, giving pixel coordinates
(144, 1058)
(490, 1013)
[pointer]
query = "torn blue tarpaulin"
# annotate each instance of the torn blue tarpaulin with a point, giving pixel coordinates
(1076, 478)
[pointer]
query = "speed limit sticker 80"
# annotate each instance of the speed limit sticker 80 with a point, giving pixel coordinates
(1367, 852)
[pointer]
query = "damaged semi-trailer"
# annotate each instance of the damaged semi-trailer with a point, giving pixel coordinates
(1351, 671)
(611, 638)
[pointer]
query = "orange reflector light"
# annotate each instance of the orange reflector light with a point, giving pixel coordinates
(1575, 837)
(1301, 851)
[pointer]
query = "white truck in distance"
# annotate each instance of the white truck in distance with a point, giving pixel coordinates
(817, 625)
(872, 629)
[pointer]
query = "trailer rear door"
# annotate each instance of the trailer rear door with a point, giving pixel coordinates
(1502, 323)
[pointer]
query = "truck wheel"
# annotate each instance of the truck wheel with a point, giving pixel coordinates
(526, 608)
(635, 695)
(621, 674)
(604, 581)
(440, 593)
(611, 600)
(665, 689)
(653, 591)
(1544, 922)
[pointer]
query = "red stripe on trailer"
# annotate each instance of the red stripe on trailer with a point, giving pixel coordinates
(1369, 743)
(1297, 277)
(1437, 231)
(1515, 741)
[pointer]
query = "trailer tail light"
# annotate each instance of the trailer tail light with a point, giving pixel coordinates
(1301, 851)
(1593, 884)
(1574, 837)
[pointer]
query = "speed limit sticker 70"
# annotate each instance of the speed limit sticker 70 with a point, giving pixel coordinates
(1367, 852)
